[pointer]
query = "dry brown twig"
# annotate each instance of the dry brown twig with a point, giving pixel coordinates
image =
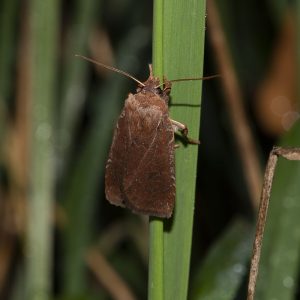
(107, 276)
(287, 153)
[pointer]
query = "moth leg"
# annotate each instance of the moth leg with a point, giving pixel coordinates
(176, 146)
(184, 130)
(166, 89)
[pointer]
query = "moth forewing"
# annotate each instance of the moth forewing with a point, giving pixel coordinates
(140, 170)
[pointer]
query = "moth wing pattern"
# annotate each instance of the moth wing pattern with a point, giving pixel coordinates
(140, 172)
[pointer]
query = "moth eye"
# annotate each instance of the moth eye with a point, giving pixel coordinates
(159, 91)
(122, 115)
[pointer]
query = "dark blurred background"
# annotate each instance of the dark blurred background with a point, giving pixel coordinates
(98, 247)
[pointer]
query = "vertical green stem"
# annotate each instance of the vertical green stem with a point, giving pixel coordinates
(156, 250)
(156, 244)
(178, 43)
(44, 35)
(184, 30)
(157, 49)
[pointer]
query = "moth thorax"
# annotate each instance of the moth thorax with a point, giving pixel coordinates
(151, 89)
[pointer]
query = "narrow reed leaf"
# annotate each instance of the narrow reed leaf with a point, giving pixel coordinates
(184, 30)
(44, 20)
(156, 242)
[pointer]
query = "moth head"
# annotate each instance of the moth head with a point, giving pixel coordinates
(153, 85)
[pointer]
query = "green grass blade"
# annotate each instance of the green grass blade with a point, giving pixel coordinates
(157, 58)
(44, 19)
(278, 270)
(156, 242)
(156, 247)
(226, 265)
(184, 28)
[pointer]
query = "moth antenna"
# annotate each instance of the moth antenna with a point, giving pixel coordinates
(191, 79)
(110, 68)
(150, 70)
(196, 78)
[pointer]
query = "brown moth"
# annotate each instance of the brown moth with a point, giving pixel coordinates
(140, 170)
